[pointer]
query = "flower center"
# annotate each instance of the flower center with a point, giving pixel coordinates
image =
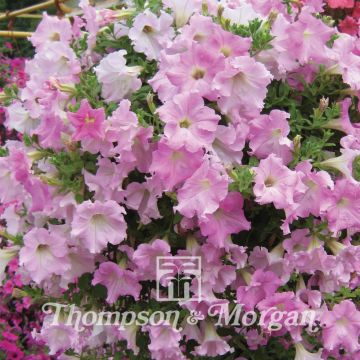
(89, 120)
(98, 219)
(226, 51)
(176, 155)
(205, 183)
(185, 123)
(199, 37)
(198, 73)
(55, 36)
(147, 29)
(41, 249)
(343, 202)
(270, 181)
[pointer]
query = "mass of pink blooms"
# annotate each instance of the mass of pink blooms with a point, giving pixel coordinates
(160, 130)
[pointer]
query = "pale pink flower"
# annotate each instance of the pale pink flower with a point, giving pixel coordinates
(99, 223)
(228, 219)
(345, 206)
(118, 80)
(182, 10)
(275, 183)
(303, 354)
(145, 256)
(51, 29)
(173, 166)
(164, 342)
(118, 281)
(150, 34)
(202, 192)
(242, 85)
(263, 284)
(211, 343)
(44, 254)
(188, 121)
(195, 70)
(88, 122)
(57, 335)
(229, 143)
(308, 37)
(19, 119)
(346, 60)
(268, 135)
(143, 197)
(341, 327)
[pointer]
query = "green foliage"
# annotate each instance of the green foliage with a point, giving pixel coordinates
(312, 106)
(343, 294)
(70, 166)
(153, 5)
(257, 30)
(243, 178)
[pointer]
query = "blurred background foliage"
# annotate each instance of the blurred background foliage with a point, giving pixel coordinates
(21, 47)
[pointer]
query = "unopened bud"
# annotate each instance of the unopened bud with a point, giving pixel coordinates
(324, 104)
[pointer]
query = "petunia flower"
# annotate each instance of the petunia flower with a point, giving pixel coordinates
(44, 254)
(118, 80)
(275, 183)
(228, 219)
(88, 122)
(51, 29)
(268, 135)
(341, 327)
(173, 166)
(263, 284)
(202, 192)
(145, 256)
(98, 223)
(242, 85)
(211, 343)
(118, 281)
(150, 34)
(188, 122)
(345, 206)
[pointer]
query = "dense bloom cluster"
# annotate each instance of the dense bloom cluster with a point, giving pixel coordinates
(222, 130)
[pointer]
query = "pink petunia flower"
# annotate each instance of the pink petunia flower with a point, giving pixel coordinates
(173, 166)
(97, 223)
(202, 192)
(263, 284)
(308, 37)
(44, 253)
(341, 327)
(118, 80)
(211, 343)
(228, 219)
(88, 122)
(188, 121)
(275, 183)
(268, 135)
(195, 70)
(345, 206)
(118, 281)
(150, 34)
(51, 29)
(229, 143)
(242, 85)
(145, 256)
